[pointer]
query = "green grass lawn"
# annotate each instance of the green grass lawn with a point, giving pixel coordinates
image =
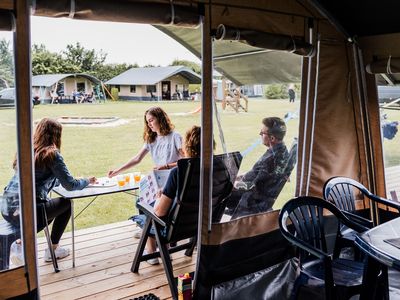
(90, 150)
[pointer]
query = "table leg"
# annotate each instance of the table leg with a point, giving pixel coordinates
(73, 232)
(372, 289)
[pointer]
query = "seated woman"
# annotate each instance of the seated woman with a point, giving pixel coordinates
(50, 170)
(165, 201)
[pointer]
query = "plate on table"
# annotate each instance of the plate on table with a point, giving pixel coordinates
(103, 182)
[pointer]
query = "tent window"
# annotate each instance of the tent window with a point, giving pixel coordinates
(261, 121)
(9, 197)
(389, 100)
(133, 88)
(81, 87)
(151, 89)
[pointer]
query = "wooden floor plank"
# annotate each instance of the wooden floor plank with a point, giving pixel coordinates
(104, 256)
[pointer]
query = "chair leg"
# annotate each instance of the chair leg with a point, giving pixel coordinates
(189, 251)
(140, 248)
(166, 262)
(49, 243)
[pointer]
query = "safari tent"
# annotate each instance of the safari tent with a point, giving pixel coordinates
(62, 84)
(154, 83)
(339, 50)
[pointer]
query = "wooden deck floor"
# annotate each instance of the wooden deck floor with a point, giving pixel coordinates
(104, 256)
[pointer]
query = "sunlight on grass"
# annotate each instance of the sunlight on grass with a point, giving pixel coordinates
(90, 150)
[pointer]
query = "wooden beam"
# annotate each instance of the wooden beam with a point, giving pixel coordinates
(7, 4)
(22, 47)
(13, 283)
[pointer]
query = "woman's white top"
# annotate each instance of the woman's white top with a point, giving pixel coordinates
(165, 149)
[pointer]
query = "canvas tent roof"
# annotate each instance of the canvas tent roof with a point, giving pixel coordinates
(153, 75)
(48, 80)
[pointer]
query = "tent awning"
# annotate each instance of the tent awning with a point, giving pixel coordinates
(241, 63)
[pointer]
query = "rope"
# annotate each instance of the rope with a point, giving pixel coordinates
(172, 13)
(388, 69)
(72, 9)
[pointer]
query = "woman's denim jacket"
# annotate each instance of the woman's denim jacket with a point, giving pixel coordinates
(57, 173)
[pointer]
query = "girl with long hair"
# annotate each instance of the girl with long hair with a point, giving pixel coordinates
(168, 195)
(160, 139)
(51, 170)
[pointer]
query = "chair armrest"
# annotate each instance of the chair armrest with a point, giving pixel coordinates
(385, 201)
(349, 222)
(358, 219)
(149, 212)
(303, 245)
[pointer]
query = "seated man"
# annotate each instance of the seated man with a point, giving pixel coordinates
(257, 190)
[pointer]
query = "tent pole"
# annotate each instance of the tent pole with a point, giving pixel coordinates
(206, 157)
(23, 91)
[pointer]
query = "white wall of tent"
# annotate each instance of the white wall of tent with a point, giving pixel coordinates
(340, 49)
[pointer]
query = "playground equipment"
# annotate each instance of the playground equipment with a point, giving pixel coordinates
(230, 98)
(235, 100)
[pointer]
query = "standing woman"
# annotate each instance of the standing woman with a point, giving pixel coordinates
(50, 170)
(160, 139)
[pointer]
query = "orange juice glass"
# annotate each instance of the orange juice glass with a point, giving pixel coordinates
(127, 178)
(121, 180)
(136, 176)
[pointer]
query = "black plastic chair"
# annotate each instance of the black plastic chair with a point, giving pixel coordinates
(342, 278)
(343, 192)
(182, 220)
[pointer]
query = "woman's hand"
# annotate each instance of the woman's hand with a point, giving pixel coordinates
(164, 167)
(112, 173)
(92, 180)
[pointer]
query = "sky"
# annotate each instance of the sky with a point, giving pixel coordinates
(123, 42)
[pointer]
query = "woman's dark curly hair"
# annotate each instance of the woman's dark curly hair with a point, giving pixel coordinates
(193, 142)
(165, 124)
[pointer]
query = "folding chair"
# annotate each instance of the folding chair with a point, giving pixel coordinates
(182, 220)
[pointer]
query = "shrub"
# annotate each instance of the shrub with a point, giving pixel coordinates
(276, 91)
(114, 93)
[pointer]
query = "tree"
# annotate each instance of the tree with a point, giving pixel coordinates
(6, 65)
(195, 67)
(107, 71)
(86, 61)
(46, 62)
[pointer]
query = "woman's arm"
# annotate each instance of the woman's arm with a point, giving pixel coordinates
(60, 171)
(162, 206)
(164, 203)
(131, 163)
